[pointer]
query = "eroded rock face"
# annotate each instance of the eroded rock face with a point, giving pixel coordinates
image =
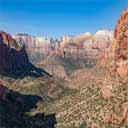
(89, 45)
(37, 47)
(84, 46)
(12, 53)
(35, 44)
(120, 45)
(84, 49)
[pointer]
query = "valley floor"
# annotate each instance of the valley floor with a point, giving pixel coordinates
(99, 100)
(99, 103)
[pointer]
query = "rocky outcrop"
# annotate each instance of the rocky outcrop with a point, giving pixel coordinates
(12, 53)
(120, 45)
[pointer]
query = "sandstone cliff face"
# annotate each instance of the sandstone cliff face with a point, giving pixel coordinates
(120, 45)
(37, 47)
(78, 52)
(35, 44)
(89, 45)
(84, 45)
(12, 53)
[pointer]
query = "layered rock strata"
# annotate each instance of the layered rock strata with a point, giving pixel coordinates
(12, 53)
(120, 45)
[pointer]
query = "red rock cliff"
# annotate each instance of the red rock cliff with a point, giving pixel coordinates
(120, 45)
(83, 45)
(89, 45)
(12, 53)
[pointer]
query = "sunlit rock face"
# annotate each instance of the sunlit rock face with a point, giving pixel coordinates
(83, 45)
(54, 54)
(102, 39)
(120, 45)
(75, 40)
(37, 44)
(87, 44)
(37, 47)
(12, 53)
(79, 52)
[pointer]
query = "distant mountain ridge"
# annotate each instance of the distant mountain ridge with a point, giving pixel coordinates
(86, 44)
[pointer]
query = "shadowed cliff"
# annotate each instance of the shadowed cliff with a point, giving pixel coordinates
(14, 60)
(14, 108)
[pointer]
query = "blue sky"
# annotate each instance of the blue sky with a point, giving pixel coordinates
(54, 18)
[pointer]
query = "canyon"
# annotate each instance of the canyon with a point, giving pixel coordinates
(88, 87)
(53, 54)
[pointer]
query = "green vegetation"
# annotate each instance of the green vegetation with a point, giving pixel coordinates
(83, 125)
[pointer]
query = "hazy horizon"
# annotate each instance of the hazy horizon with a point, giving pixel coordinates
(56, 18)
